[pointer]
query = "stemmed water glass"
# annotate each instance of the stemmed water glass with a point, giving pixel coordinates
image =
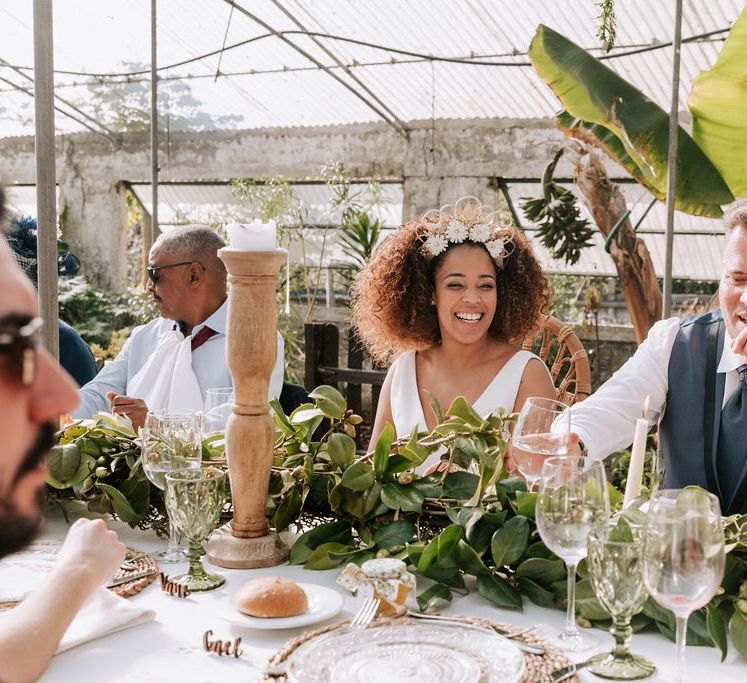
(572, 500)
(194, 500)
(542, 430)
(683, 555)
(170, 441)
(614, 566)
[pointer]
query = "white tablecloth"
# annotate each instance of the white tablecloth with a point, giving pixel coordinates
(170, 648)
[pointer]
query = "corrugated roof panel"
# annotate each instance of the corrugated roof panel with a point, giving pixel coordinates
(218, 204)
(117, 33)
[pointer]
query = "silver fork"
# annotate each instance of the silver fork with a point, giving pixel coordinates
(365, 614)
(363, 617)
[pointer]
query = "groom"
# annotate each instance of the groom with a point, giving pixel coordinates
(170, 362)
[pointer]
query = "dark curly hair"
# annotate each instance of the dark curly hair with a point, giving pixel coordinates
(391, 296)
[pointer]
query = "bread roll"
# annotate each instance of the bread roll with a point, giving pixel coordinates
(271, 596)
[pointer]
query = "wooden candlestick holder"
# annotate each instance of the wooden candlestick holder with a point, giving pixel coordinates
(251, 349)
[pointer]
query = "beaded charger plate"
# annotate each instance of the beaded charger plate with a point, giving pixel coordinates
(400, 649)
(24, 571)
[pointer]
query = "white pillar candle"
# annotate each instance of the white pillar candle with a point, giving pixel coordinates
(637, 455)
(254, 236)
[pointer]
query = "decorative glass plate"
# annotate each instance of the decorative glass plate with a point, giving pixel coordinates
(323, 603)
(410, 651)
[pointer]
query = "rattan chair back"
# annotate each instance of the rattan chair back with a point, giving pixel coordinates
(559, 346)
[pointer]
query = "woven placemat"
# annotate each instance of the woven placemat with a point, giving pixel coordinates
(538, 667)
(138, 562)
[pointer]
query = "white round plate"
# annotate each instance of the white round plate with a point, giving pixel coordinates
(408, 651)
(323, 603)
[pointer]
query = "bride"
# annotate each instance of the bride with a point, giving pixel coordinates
(450, 296)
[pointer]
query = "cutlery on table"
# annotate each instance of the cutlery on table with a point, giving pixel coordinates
(566, 672)
(130, 577)
(524, 647)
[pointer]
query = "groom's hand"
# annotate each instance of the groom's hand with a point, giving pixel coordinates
(134, 408)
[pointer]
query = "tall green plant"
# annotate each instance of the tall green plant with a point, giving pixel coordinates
(604, 110)
(359, 231)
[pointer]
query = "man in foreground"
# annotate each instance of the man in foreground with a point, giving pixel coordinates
(695, 371)
(34, 391)
(169, 363)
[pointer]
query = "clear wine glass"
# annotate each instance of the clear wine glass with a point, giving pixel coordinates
(170, 441)
(541, 430)
(194, 500)
(572, 500)
(683, 555)
(615, 556)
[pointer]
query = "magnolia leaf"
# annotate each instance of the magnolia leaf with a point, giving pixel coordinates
(358, 477)
(469, 561)
(361, 505)
(717, 103)
(447, 543)
(280, 417)
(462, 409)
(543, 571)
(395, 533)
(289, 508)
(525, 503)
(137, 492)
(321, 557)
(510, 541)
(461, 485)
(330, 401)
(381, 451)
(433, 596)
(401, 497)
(341, 449)
(499, 591)
(63, 463)
(339, 532)
(536, 593)
(121, 505)
(738, 631)
(716, 625)
(412, 450)
(587, 603)
(604, 109)
(305, 415)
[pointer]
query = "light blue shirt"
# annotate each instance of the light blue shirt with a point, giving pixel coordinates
(208, 362)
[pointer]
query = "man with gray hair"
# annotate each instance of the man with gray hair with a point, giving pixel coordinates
(695, 372)
(169, 363)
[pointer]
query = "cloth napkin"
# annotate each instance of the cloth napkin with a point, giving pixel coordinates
(103, 613)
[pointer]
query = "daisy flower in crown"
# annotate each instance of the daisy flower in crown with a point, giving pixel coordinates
(467, 221)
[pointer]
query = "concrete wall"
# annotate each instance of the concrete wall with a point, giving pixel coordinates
(436, 165)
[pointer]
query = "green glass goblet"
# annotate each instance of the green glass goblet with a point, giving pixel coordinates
(615, 555)
(194, 500)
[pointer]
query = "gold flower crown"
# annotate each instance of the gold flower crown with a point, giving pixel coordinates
(467, 221)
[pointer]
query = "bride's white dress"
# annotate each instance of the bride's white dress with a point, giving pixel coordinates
(405, 397)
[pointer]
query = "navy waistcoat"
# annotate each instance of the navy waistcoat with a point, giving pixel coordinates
(682, 430)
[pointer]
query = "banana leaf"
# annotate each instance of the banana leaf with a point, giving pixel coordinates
(718, 102)
(604, 109)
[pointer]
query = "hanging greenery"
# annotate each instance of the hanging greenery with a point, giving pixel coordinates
(560, 227)
(606, 30)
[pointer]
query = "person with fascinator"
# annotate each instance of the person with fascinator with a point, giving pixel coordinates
(449, 297)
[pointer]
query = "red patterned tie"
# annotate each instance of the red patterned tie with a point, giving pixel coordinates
(202, 336)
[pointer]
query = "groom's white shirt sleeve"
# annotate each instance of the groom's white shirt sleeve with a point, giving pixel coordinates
(605, 421)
